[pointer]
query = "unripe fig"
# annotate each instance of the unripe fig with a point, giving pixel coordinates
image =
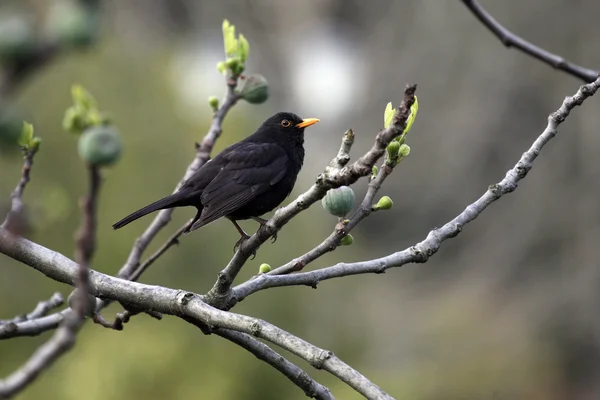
(339, 202)
(100, 145)
(256, 89)
(264, 268)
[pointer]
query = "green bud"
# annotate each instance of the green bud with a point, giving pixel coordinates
(229, 39)
(347, 240)
(100, 145)
(213, 102)
(243, 48)
(26, 135)
(388, 115)
(236, 66)
(35, 144)
(83, 98)
(392, 149)
(74, 120)
(222, 67)
(16, 37)
(339, 202)
(384, 203)
(264, 268)
(404, 150)
(374, 172)
(255, 90)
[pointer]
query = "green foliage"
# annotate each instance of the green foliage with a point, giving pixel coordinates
(27, 141)
(236, 51)
(84, 112)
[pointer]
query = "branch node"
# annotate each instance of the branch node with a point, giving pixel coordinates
(319, 359)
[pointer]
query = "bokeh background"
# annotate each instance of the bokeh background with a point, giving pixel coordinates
(507, 310)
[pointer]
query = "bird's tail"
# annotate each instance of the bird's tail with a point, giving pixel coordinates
(166, 202)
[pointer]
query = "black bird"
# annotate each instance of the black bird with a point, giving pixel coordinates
(244, 181)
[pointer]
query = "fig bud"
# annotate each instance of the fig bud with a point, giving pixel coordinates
(347, 240)
(384, 203)
(255, 90)
(100, 145)
(264, 268)
(339, 202)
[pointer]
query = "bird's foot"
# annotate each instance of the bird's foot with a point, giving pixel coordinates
(262, 223)
(243, 238)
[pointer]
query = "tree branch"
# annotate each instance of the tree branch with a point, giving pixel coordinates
(509, 39)
(333, 177)
(264, 353)
(186, 305)
(421, 252)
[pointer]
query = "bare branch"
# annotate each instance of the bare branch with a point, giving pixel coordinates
(509, 39)
(332, 178)
(40, 310)
(32, 327)
(14, 219)
(421, 252)
(263, 352)
(186, 305)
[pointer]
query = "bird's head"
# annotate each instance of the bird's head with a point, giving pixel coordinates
(286, 126)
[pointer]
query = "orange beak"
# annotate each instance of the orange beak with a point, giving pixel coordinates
(307, 122)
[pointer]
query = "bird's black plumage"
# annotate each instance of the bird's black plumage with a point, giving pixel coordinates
(246, 180)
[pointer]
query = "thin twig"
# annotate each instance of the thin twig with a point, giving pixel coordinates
(40, 310)
(509, 39)
(14, 218)
(333, 177)
(421, 252)
(311, 388)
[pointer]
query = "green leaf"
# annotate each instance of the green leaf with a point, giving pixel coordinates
(412, 116)
(229, 38)
(243, 48)
(222, 67)
(83, 98)
(35, 144)
(388, 115)
(26, 135)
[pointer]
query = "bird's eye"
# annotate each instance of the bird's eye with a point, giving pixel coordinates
(285, 123)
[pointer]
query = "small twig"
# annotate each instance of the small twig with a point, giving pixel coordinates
(421, 252)
(219, 295)
(40, 310)
(509, 39)
(311, 388)
(14, 218)
(172, 241)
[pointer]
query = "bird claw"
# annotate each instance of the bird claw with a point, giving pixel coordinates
(274, 238)
(239, 242)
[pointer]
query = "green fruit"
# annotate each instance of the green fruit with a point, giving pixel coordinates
(100, 145)
(256, 89)
(392, 149)
(16, 37)
(347, 240)
(384, 203)
(339, 202)
(264, 268)
(213, 102)
(73, 24)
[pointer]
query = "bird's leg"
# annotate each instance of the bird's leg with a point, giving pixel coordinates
(262, 223)
(244, 235)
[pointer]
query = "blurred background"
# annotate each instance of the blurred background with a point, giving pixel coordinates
(507, 310)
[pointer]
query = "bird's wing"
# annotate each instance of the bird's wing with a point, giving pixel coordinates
(248, 171)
